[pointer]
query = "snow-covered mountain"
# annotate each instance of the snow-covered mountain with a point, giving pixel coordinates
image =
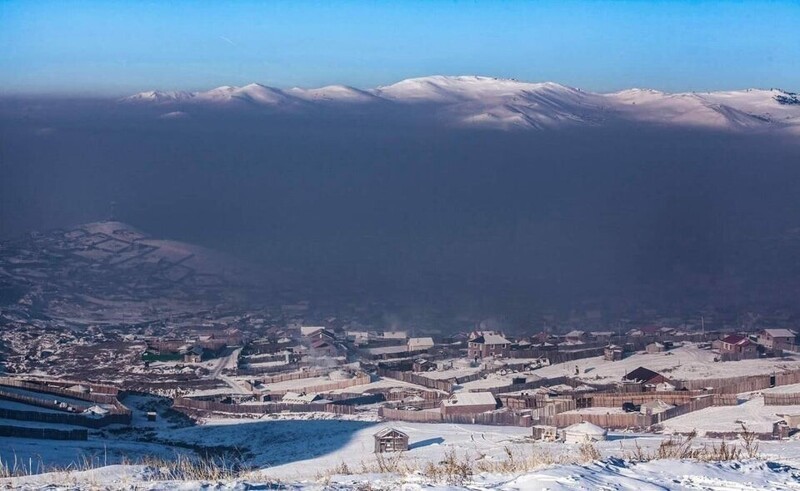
(508, 104)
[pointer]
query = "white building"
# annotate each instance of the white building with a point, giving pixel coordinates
(584, 433)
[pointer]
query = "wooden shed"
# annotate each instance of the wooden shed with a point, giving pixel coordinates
(390, 440)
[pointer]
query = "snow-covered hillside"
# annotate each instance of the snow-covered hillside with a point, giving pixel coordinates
(506, 104)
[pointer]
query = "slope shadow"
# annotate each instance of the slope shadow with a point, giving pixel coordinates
(273, 443)
(425, 443)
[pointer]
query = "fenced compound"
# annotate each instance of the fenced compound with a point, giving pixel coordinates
(43, 433)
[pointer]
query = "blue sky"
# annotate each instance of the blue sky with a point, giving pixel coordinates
(83, 47)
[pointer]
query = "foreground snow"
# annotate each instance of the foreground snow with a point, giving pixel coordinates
(608, 474)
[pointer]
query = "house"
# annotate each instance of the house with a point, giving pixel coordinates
(320, 333)
(96, 411)
(194, 355)
(358, 337)
(323, 347)
(645, 377)
(420, 344)
(423, 365)
(653, 348)
(469, 403)
(575, 337)
(612, 352)
(738, 345)
(395, 335)
(390, 440)
(306, 330)
(152, 416)
(777, 338)
(793, 420)
(483, 344)
(601, 336)
(584, 433)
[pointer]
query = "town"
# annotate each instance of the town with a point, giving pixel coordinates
(166, 379)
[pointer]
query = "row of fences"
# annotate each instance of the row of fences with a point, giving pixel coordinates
(43, 433)
(738, 385)
(285, 377)
(490, 418)
(67, 418)
(219, 407)
(674, 398)
(781, 399)
(256, 370)
(536, 384)
(43, 401)
(413, 378)
(360, 379)
(107, 397)
(405, 394)
(557, 356)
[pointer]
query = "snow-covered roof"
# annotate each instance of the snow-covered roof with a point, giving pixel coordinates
(387, 431)
(470, 399)
(419, 343)
(296, 398)
(656, 405)
(489, 337)
(97, 410)
(780, 333)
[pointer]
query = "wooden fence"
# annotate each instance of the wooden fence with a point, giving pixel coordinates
(360, 379)
(42, 402)
(43, 433)
(615, 420)
(66, 418)
(211, 406)
(781, 399)
(103, 398)
(536, 384)
(413, 378)
(489, 418)
(735, 385)
(284, 377)
(689, 407)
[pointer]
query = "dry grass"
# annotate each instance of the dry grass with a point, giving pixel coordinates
(458, 469)
(179, 468)
(684, 447)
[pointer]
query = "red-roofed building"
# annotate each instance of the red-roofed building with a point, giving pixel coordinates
(738, 344)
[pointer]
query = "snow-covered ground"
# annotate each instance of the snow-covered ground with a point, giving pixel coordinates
(683, 363)
(753, 414)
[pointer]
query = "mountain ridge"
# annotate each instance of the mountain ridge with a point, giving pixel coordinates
(512, 104)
